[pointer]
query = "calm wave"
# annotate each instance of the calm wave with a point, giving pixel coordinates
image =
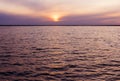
(59, 53)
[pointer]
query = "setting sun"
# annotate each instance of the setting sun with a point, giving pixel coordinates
(56, 17)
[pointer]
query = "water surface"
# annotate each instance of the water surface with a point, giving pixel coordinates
(57, 53)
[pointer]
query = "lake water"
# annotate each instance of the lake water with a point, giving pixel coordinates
(60, 53)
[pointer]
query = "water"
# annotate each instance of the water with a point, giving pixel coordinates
(59, 53)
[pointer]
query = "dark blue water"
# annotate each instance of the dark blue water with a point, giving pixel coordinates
(59, 53)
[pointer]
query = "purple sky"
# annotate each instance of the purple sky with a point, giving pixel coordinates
(60, 12)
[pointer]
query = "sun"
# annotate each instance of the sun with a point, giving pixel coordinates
(55, 17)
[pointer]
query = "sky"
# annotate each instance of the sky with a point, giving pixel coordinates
(59, 12)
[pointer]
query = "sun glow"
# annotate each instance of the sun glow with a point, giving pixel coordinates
(55, 17)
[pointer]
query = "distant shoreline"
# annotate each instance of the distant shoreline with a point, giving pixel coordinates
(59, 25)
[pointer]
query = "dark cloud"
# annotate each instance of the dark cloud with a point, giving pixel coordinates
(9, 19)
(95, 19)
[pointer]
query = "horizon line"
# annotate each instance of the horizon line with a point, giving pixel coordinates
(59, 25)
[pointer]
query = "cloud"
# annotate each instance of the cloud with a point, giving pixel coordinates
(94, 19)
(31, 4)
(10, 19)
